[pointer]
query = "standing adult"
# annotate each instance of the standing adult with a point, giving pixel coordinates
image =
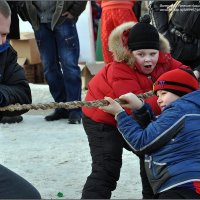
(14, 88)
(179, 22)
(54, 25)
(113, 14)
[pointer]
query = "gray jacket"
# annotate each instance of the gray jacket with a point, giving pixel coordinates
(74, 7)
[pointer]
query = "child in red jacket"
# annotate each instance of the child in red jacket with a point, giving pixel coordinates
(141, 55)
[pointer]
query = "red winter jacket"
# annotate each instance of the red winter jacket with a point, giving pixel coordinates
(118, 78)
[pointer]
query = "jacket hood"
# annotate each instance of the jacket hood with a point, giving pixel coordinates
(192, 97)
(118, 44)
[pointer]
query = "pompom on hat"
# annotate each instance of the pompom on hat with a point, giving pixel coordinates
(178, 81)
(143, 35)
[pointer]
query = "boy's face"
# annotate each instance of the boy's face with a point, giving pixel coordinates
(4, 28)
(165, 98)
(146, 59)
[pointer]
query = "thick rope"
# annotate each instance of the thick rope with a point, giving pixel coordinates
(67, 105)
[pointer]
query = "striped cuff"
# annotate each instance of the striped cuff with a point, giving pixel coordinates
(118, 113)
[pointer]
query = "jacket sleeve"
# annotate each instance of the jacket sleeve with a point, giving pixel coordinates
(14, 87)
(155, 135)
(77, 8)
(144, 115)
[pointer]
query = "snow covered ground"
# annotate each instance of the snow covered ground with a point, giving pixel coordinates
(54, 156)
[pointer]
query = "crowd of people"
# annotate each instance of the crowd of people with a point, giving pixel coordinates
(141, 55)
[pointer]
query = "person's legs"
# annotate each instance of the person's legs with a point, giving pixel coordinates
(106, 28)
(178, 193)
(13, 186)
(52, 70)
(110, 19)
(106, 146)
(68, 50)
(147, 192)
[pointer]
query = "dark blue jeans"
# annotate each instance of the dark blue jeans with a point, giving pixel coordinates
(59, 51)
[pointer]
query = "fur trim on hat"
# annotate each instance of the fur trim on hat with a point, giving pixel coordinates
(118, 44)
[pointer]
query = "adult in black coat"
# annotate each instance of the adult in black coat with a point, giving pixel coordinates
(9, 56)
(180, 27)
(14, 88)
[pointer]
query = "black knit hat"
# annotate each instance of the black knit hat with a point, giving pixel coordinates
(143, 35)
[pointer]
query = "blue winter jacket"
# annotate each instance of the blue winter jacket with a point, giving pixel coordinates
(171, 142)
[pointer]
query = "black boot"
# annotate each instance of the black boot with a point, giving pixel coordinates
(11, 120)
(74, 118)
(56, 115)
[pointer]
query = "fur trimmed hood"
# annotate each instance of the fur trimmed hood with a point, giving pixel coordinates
(118, 43)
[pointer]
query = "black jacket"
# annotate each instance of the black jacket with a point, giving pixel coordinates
(182, 30)
(28, 11)
(14, 87)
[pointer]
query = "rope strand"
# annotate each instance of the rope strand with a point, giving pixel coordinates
(66, 105)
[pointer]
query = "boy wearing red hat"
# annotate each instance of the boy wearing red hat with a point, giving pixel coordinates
(172, 141)
(141, 55)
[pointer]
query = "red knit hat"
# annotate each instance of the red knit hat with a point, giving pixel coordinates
(178, 81)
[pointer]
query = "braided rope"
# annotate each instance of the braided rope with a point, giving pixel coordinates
(67, 105)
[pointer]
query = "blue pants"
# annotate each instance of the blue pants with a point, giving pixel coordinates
(59, 51)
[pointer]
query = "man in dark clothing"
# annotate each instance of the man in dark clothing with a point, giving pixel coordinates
(179, 22)
(13, 34)
(14, 88)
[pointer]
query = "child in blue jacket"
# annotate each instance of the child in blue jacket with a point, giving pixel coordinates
(171, 142)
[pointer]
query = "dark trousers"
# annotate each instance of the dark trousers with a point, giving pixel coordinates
(178, 193)
(106, 148)
(147, 192)
(13, 186)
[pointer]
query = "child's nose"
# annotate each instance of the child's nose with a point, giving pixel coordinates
(159, 100)
(147, 58)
